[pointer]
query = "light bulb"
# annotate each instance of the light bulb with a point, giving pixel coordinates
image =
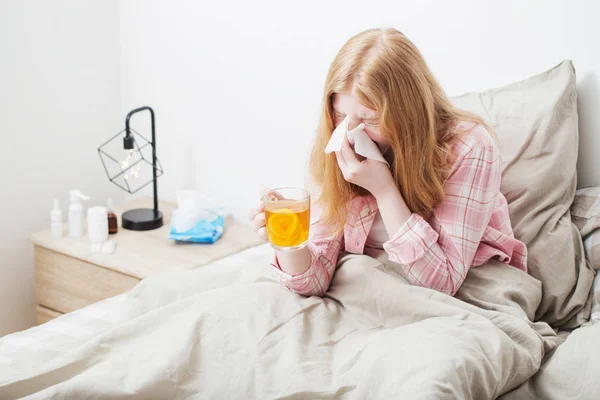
(133, 172)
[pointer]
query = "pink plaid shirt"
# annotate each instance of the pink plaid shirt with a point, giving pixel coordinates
(468, 228)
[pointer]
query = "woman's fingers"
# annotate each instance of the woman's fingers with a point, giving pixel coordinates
(257, 214)
(273, 195)
(262, 233)
(348, 161)
(259, 222)
(341, 162)
(348, 154)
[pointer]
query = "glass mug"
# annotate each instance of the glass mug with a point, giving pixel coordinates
(287, 212)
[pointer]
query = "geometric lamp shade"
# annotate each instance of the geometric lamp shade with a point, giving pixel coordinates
(131, 170)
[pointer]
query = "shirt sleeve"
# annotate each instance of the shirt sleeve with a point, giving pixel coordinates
(438, 255)
(324, 251)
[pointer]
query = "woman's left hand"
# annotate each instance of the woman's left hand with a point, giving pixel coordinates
(374, 176)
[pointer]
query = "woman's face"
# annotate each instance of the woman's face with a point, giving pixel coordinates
(347, 105)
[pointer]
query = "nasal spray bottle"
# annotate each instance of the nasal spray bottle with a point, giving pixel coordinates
(76, 214)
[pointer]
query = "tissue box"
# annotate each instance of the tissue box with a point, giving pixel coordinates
(197, 219)
(205, 231)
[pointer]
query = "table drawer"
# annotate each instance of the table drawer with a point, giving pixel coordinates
(65, 284)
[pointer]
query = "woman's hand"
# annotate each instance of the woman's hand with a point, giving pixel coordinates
(291, 262)
(258, 220)
(374, 176)
(257, 215)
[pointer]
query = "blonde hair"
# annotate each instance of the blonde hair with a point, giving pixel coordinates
(388, 74)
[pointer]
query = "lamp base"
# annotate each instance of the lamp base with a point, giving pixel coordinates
(142, 219)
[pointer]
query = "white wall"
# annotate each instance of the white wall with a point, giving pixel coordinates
(237, 84)
(60, 99)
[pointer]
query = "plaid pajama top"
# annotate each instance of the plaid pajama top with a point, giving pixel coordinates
(467, 229)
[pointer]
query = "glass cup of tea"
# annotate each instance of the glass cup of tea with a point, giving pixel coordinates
(287, 212)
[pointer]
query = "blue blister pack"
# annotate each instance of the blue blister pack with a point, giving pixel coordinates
(205, 231)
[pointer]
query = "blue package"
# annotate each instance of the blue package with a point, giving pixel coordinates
(205, 231)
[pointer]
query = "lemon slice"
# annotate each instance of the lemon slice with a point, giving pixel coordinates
(284, 227)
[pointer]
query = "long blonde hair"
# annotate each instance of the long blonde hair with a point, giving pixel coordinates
(388, 74)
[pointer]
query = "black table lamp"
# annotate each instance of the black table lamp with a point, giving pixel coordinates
(128, 166)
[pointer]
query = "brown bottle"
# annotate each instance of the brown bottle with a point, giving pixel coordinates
(113, 224)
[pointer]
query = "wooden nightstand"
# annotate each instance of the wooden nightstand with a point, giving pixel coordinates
(69, 277)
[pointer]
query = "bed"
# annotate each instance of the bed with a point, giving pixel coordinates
(230, 330)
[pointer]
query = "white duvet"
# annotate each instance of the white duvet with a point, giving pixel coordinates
(228, 330)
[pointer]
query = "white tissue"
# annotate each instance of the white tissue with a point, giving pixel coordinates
(193, 207)
(363, 145)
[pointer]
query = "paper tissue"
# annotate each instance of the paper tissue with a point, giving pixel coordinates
(363, 145)
(196, 219)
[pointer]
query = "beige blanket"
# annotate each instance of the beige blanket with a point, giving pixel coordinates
(570, 372)
(228, 330)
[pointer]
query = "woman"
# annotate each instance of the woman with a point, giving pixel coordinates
(436, 209)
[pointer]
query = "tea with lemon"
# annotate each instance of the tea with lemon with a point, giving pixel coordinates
(287, 223)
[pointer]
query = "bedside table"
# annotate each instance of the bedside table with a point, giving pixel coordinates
(69, 277)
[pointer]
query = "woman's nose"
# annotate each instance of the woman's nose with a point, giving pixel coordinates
(353, 123)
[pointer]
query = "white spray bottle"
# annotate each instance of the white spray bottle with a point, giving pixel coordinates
(76, 214)
(56, 220)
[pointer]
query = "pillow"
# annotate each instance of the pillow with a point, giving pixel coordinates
(535, 121)
(585, 213)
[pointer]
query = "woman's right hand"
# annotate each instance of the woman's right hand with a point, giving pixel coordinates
(258, 220)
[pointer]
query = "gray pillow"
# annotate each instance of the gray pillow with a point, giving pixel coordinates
(535, 121)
